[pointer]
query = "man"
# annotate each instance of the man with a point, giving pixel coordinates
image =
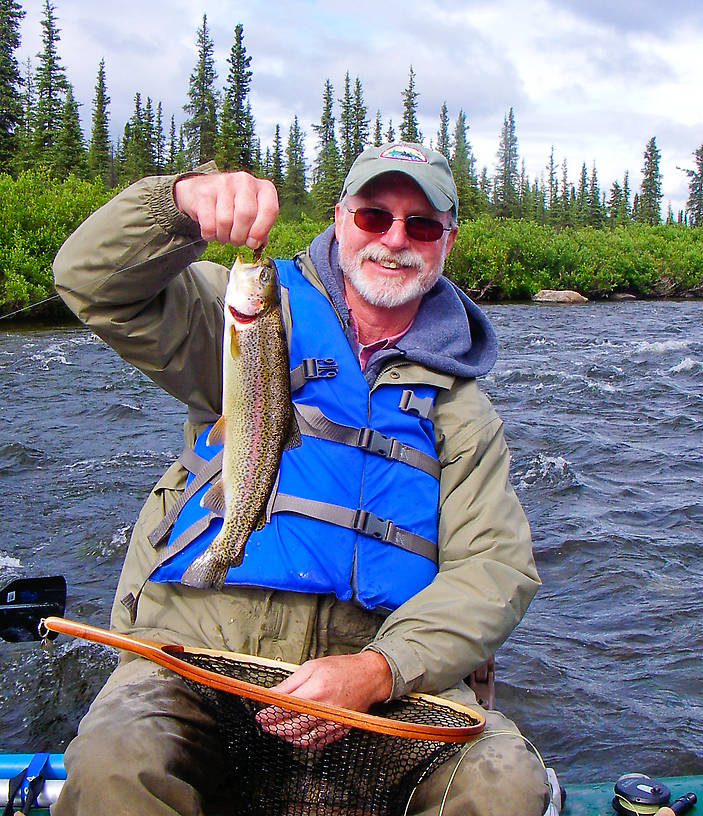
(369, 288)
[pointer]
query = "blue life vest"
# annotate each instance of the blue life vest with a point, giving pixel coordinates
(358, 519)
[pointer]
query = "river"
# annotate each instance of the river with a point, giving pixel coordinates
(603, 408)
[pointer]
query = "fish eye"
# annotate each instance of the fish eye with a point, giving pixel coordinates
(265, 275)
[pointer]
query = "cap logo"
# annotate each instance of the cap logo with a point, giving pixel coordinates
(403, 152)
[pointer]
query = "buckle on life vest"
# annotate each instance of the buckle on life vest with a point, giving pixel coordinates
(376, 442)
(372, 525)
(315, 368)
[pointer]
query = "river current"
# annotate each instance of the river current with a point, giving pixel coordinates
(603, 409)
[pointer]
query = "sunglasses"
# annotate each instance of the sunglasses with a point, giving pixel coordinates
(373, 219)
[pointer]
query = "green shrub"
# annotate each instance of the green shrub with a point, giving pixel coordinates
(37, 213)
(491, 259)
(285, 239)
(513, 259)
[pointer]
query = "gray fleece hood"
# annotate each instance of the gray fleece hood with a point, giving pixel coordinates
(450, 334)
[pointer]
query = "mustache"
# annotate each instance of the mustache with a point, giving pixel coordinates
(405, 257)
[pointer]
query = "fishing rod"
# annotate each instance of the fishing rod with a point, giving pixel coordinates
(101, 280)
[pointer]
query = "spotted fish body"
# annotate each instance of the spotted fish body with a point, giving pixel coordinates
(257, 417)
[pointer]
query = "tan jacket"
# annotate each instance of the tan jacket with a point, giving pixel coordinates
(130, 273)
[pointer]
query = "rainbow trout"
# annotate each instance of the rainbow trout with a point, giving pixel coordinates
(257, 420)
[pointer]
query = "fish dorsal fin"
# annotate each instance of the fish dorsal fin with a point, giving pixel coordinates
(293, 439)
(214, 498)
(217, 433)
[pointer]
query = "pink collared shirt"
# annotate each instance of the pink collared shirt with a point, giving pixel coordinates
(365, 351)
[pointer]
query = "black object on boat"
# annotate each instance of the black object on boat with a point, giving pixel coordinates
(25, 601)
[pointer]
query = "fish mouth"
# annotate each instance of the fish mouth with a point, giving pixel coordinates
(240, 317)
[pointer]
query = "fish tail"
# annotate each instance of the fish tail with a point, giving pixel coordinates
(207, 571)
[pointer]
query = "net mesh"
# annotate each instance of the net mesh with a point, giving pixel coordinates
(359, 773)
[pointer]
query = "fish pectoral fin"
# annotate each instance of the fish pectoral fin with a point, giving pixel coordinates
(214, 499)
(233, 343)
(217, 433)
(293, 439)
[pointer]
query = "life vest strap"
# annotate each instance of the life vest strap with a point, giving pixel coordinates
(184, 539)
(312, 422)
(202, 477)
(191, 461)
(357, 519)
(312, 368)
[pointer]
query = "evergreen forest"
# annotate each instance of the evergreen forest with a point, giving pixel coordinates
(516, 234)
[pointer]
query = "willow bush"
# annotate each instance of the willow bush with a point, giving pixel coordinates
(512, 259)
(37, 213)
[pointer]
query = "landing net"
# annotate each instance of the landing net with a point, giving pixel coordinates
(362, 773)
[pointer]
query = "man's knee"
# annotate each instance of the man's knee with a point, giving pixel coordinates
(146, 743)
(494, 775)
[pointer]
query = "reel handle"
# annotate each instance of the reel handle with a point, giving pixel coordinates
(682, 805)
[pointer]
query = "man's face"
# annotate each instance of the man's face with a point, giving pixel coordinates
(390, 269)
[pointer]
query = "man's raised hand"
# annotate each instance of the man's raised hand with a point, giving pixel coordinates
(231, 208)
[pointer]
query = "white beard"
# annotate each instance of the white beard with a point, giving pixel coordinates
(392, 290)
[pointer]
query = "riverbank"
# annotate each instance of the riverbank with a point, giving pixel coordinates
(492, 260)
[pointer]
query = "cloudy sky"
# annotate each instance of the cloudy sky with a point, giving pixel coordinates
(592, 78)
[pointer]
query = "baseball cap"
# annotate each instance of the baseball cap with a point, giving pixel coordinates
(428, 168)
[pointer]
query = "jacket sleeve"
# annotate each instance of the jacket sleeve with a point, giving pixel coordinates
(128, 273)
(487, 575)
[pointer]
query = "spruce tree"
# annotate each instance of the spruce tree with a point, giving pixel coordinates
(25, 134)
(69, 155)
(277, 160)
(443, 144)
(506, 191)
(182, 158)
(327, 178)
(552, 191)
(409, 128)
(594, 217)
(201, 125)
(11, 15)
(564, 209)
(360, 122)
(236, 135)
(258, 160)
(346, 126)
(582, 197)
(294, 192)
(378, 130)
(649, 210)
(51, 86)
(694, 205)
(172, 147)
(616, 205)
(463, 165)
(159, 141)
(390, 133)
(136, 156)
(626, 196)
(99, 160)
(149, 143)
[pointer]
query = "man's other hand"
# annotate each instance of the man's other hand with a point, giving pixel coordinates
(231, 208)
(351, 681)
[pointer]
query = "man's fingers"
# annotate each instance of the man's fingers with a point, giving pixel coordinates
(235, 208)
(266, 214)
(301, 730)
(206, 217)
